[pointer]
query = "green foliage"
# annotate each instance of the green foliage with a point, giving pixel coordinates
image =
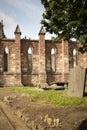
(67, 19)
(50, 96)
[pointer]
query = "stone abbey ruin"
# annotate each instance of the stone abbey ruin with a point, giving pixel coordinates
(37, 62)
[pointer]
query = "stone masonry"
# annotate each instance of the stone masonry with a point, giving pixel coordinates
(37, 62)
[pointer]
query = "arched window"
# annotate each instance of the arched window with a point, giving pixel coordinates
(30, 63)
(75, 57)
(53, 59)
(30, 50)
(6, 54)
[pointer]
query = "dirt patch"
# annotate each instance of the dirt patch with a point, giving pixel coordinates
(5, 124)
(25, 114)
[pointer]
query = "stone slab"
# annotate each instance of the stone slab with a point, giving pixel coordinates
(77, 82)
(4, 122)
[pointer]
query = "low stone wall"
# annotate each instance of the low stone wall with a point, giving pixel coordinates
(10, 79)
(30, 79)
(16, 79)
(57, 78)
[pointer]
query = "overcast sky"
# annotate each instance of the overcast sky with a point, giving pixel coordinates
(26, 13)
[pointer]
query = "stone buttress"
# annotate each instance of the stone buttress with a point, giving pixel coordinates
(42, 64)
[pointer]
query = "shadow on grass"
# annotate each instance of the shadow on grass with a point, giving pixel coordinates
(83, 125)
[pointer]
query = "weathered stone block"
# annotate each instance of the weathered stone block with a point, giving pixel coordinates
(76, 82)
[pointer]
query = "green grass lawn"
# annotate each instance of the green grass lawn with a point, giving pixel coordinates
(57, 97)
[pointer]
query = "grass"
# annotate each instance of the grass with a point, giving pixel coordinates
(57, 97)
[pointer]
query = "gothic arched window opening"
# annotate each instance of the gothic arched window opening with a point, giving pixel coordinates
(53, 59)
(6, 56)
(75, 62)
(30, 55)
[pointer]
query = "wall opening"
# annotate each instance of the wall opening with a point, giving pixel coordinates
(30, 61)
(75, 60)
(6, 56)
(53, 59)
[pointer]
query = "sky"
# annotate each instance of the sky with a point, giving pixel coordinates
(26, 13)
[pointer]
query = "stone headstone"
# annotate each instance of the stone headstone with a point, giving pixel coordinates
(76, 85)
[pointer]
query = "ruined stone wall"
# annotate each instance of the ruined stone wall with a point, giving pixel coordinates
(37, 62)
(30, 78)
(81, 58)
(12, 76)
(61, 62)
(47, 65)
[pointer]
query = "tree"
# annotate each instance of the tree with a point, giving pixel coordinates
(67, 19)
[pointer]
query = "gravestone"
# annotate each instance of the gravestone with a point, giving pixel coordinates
(76, 85)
